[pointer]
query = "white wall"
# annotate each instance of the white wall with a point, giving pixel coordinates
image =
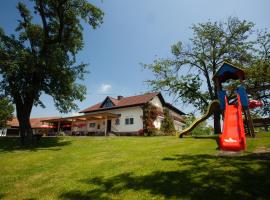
(156, 102)
(178, 125)
(131, 112)
(101, 123)
(158, 121)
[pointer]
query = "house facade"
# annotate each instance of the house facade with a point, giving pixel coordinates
(118, 116)
(123, 115)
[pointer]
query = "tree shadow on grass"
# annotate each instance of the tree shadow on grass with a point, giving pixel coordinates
(9, 144)
(2, 196)
(199, 177)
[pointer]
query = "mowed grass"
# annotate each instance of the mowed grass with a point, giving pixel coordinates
(133, 168)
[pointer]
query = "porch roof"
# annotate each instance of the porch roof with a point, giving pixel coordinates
(36, 123)
(85, 117)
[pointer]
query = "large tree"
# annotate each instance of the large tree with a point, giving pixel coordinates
(41, 56)
(188, 73)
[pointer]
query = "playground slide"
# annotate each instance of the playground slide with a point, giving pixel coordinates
(233, 136)
(211, 108)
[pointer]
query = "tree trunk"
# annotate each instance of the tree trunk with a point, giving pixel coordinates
(26, 132)
(217, 126)
(217, 113)
(23, 115)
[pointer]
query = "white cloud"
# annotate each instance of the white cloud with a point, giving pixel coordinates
(105, 88)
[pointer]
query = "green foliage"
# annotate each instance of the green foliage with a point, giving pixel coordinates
(41, 58)
(6, 111)
(258, 74)
(150, 114)
(188, 74)
(201, 129)
(167, 125)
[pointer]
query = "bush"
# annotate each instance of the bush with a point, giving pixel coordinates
(61, 133)
(150, 114)
(140, 132)
(151, 132)
(167, 125)
(201, 129)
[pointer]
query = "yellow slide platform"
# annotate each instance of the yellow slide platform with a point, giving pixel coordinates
(214, 105)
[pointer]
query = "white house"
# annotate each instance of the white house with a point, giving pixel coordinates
(123, 115)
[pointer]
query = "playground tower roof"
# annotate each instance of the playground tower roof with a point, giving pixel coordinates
(228, 71)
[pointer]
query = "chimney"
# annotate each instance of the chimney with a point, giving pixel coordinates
(120, 97)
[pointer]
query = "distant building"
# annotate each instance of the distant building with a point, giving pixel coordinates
(119, 116)
(37, 124)
(122, 115)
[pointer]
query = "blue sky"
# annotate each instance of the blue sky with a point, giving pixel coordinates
(138, 31)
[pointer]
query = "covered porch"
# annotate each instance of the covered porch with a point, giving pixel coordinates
(93, 124)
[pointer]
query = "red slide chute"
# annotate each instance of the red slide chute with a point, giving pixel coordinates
(233, 136)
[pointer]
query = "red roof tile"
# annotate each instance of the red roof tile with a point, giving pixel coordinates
(115, 101)
(35, 122)
(124, 102)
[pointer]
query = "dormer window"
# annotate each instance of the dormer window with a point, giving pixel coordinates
(108, 103)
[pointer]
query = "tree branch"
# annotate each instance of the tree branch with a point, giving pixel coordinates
(40, 8)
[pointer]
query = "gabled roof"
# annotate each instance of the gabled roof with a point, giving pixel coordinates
(229, 71)
(129, 102)
(170, 106)
(124, 102)
(113, 100)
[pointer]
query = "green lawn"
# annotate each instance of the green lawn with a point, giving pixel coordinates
(133, 168)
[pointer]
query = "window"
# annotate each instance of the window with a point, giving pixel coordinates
(108, 103)
(117, 121)
(129, 121)
(91, 125)
(98, 126)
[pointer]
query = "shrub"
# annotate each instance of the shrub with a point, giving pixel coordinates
(150, 114)
(201, 129)
(167, 125)
(61, 133)
(152, 132)
(140, 132)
